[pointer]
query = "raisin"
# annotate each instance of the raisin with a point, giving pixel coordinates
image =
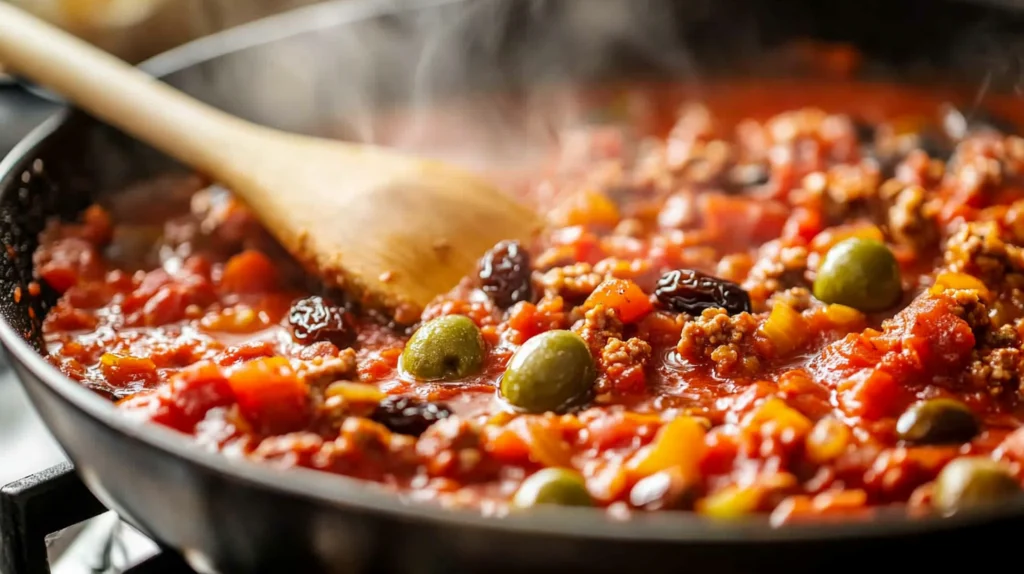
(504, 274)
(316, 319)
(689, 291)
(406, 415)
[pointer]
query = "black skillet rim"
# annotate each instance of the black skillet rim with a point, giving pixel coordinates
(338, 491)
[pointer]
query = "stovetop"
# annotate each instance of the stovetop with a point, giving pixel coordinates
(49, 522)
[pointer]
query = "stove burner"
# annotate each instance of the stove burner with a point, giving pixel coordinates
(35, 509)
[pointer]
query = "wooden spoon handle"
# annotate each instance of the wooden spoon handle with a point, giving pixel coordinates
(118, 93)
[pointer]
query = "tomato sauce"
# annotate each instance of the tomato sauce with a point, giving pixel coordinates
(688, 248)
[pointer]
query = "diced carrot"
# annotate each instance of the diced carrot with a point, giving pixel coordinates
(844, 317)
(824, 241)
(354, 392)
(778, 415)
(626, 297)
(949, 280)
(589, 207)
(249, 272)
(544, 441)
(785, 329)
(608, 483)
(120, 370)
(270, 395)
(827, 440)
(679, 444)
(731, 502)
(505, 444)
(239, 319)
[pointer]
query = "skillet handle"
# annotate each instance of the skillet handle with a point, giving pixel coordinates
(118, 93)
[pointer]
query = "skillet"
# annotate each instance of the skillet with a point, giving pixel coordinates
(232, 516)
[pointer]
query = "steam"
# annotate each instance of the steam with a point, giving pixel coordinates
(488, 83)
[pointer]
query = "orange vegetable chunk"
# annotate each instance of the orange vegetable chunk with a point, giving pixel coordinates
(626, 297)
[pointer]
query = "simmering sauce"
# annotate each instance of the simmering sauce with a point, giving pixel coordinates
(803, 299)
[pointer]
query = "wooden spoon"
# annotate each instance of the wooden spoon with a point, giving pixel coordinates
(392, 230)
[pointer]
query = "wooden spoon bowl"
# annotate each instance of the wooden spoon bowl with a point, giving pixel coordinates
(392, 230)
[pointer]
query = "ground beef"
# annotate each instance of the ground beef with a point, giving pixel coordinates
(850, 187)
(997, 370)
(917, 168)
(320, 371)
(571, 282)
(1004, 336)
(630, 227)
(970, 307)
(777, 267)
(451, 448)
(912, 219)
(621, 366)
(978, 248)
(361, 448)
(1013, 222)
(798, 298)
(721, 339)
(976, 167)
(598, 326)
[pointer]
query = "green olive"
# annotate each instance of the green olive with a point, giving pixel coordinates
(937, 421)
(972, 481)
(447, 348)
(550, 372)
(553, 486)
(859, 273)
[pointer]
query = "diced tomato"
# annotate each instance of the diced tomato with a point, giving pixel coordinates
(150, 284)
(802, 225)
(59, 277)
(925, 340)
(247, 351)
(626, 297)
(583, 245)
(96, 225)
(720, 452)
(184, 400)
(65, 317)
(67, 261)
(872, 394)
(270, 395)
(249, 272)
(197, 389)
(166, 306)
(739, 222)
(526, 319)
(619, 430)
(89, 295)
(505, 444)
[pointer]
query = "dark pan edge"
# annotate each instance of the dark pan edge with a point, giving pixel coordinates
(342, 492)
